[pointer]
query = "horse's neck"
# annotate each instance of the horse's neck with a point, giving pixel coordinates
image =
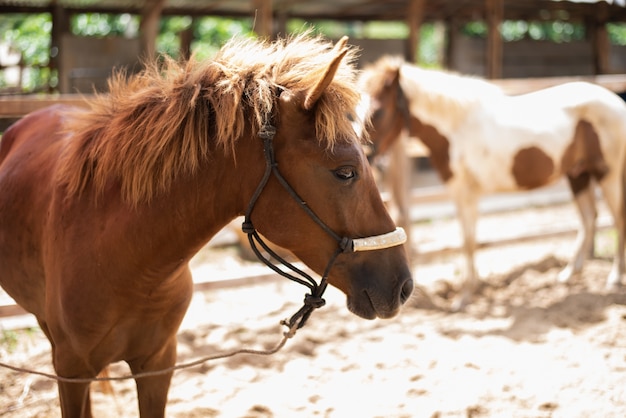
(425, 103)
(199, 205)
(433, 115)
(443, 100)
(438, 145)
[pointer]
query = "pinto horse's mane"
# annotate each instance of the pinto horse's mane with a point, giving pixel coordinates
(433, 94)
(166, 120)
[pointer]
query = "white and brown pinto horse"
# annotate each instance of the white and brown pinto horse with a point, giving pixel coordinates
(483, 141)
(101, 209)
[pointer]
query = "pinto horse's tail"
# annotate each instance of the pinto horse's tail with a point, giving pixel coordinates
(623, 212)
(105, 386)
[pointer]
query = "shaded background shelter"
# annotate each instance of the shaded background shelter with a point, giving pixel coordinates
(490, 57)
(83, 64)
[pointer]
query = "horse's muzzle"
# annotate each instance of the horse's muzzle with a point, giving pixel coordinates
(372, 303)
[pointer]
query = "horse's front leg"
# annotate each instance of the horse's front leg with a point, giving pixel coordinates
(582, 188)
(399, 175)
(75, 400)
(467, 212)
(152, 391)
(156, 337)
(74, 397)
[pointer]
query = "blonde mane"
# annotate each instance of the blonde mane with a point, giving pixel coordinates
(166, 120)
(437, 97)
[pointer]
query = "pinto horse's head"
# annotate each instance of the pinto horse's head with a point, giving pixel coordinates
(320, 156)
(384, 103)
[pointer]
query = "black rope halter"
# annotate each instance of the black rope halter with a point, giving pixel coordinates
(312, 300)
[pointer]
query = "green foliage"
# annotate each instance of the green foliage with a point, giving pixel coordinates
(101, 25)
(30, 35)
(335, 30)
(8, 340)
(19, 339)
(167, 41)
(555, 31)
(617, 33)
(432, 44)
(329, 28)
(210, 33)
(476, 28)
(385, 30)
(431, 41)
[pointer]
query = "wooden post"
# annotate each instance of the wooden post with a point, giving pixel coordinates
(452, 29)
(186, 37)
(495, 12)
(415, 16)
(600, 40)
(280, 12)
(281, 22)
(60, 26)
(263, 24)
(149, 27)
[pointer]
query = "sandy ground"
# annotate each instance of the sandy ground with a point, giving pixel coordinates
(527, 347)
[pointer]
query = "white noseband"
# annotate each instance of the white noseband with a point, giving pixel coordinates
(380, 242)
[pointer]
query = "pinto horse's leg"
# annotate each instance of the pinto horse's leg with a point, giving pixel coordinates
(152, 391)
(613, 191)
(582, 189)
(467, 211)
(399, 175)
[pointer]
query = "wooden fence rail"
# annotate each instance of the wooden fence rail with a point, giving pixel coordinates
(613, 82)
(13, 108)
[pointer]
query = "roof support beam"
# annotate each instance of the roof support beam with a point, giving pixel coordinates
(600, 40)
(60, 26)
(494, 10)
(263, 21)
(149, 27)
(415, 17)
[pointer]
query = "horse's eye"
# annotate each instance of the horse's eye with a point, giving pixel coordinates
(345, 173)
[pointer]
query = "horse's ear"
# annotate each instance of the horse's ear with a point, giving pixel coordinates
(392, 78)
(316, 91)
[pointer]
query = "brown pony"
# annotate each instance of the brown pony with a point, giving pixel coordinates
(102, 209)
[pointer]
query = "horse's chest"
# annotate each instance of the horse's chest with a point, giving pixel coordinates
(485, 167)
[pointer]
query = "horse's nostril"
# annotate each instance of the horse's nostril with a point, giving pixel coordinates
(407, 289)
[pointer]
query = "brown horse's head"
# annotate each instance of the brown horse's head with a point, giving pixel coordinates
(386, 105)
(175, 130)
(321, 157)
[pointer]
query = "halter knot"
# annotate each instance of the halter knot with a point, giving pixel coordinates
(314, 301)
(247, 227)
(311, 303)
(267, 132)
(346, 245)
